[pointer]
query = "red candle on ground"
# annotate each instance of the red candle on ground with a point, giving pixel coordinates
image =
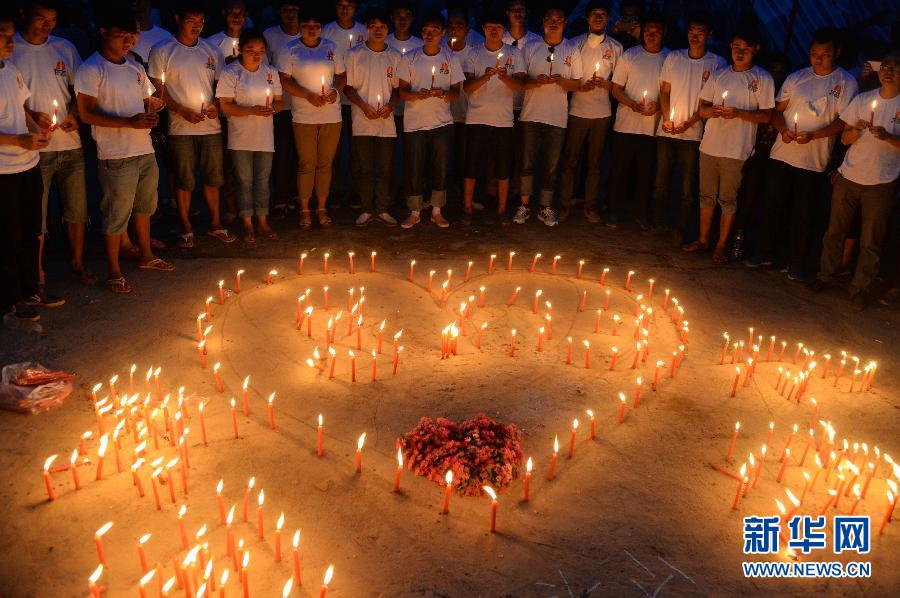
(552, 473)
(628, 280)
(621, 407)
(597, 321)
(352, 365)
(537, 256)
(637, 391)
(528, 466)
(587, 354)
(156, 473)
(399, 470)
(512, 343)
(260, 530)
(580, 268)
(737, 427)
(296, 555)
(374, 365)
(48, 482)
(372, 261)
(359, 445)
(572, 438)
(325, 263)
(448, 487)
(603, 276)
(271, 405)
(246, 505)
(737, 377)
(509, 263)
(101, 452)
(234, 421)
(568, 349)
(593, 424)
(537, 296)
(142, 556)
(740, 486)
(94, 578)
(615, 356)
(430, 279)
(491, 263)
(73, 465)
(319, 437)
(98, 541)
(329, 573)
(784, 463)
(583, 301)
(490, 492)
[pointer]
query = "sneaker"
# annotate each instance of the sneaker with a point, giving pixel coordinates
(523, 213)
(859, 301)
(439, 220)
(757, 261)
(591, 215)
(44, 299)
(466, 218)
(364, 219)
(795, 274)
(563, 214)
(386, 219)
(477, 206)
(411, 220)
(11, 321)
(548, 216)
(25, 312)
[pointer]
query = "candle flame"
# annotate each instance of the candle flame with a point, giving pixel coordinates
(96, 575)
(146, 578)
(288, 586)
(143, 539)
(246, 561)
(49, 462)
(329, 573)
(399, 457)
(280, 522)
(230, 517)
(490, 492)
(555, 444)
(448, 477)
(575, 424)
(103, 529)
(296, 540)
(360, 441)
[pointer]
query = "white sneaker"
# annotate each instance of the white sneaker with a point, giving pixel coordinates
(548, 217)
(387, 219)
(364, 219)
(522, 215)
(477, 206)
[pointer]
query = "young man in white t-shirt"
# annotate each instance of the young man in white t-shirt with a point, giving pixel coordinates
(494, 73)
(284, 162)
(553, 68)
(115, 97)
(636, 87)
(684, 74)
(734, 101)
(48, 64)
(807, 117)
(20, 187)
(235, 14)
(150, 34)
(372, 78)
(866, 184)
(590, 114)
(459, 41)
(430, 78)
(191, 66)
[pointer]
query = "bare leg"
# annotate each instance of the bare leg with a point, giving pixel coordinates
(76, 240)
(263, 223)
(113, 243)
(706, 218)
(212, 201)
(468, 194)
(724, 230)
(184, 209)
(502, 195)
(142, 230)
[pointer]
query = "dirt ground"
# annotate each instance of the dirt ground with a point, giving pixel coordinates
(639, 511)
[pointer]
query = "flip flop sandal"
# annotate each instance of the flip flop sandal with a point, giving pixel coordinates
(85, 277)
(222, 235)
(694, 247)
(324, 219)
(305, 220)
(157, 264)
(157, 244)
(186, 241)
(249, 239)
(119, 285)
(720, 257)
(130, 253)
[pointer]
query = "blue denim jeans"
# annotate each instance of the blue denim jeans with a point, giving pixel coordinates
(251, 181)
(129, 187)
(68, 168)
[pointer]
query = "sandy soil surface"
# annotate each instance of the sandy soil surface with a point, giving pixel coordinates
(639, 511)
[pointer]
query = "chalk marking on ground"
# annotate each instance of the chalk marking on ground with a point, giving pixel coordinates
(646, 593)
(661, 585)
(566, 581)
(541, 583)
(677, 570)
(652, 574)
(594, 587)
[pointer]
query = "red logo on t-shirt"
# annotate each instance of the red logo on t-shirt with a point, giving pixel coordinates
(568, 60)
(140, 79)
(390, 72)
(20, 81)
(607, 54)
(705, 76)
(330, 55)
(211, 63)
(836, 90)
(754, 85)
(60, 68)
(896, 117)
(445, 68)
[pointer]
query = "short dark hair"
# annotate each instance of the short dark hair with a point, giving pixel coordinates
(827, 35)
(282, 3)
(556, 7)
(29, 7)
(434, 18)
(189, 7)
(251, 35)
(597, 5)
(377, 13)
(402, 5)
(699, 18)
(653, 18)
(311, 13)
(750, 35)
(493, 17)
(117, 17)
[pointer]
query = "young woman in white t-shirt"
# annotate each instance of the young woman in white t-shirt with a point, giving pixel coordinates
(249, 93)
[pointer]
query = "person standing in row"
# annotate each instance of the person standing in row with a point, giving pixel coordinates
(807, 117)
(458, 39)
(590, 113)
(636, 87)
(430, 78)
(249, 94)
(21, 187)
(284, 182)
(191, 66)
(553, 68)
(866, 183)
(48, 65)
(682, 78)
(494, 73)
(734, 102)
(402, 40)
(228, 40)
(372, 79)
(149, 34)
(115, 98)
(312, 71)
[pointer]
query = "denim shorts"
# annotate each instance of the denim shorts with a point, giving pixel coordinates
(184, 151)
(68, 168)
(129, 187)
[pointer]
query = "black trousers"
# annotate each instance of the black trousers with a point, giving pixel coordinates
(284, 162)
(20, 227)
(372, 161)
(633, 163)
(790, 200)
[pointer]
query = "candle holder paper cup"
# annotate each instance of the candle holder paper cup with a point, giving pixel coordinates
(30, 387)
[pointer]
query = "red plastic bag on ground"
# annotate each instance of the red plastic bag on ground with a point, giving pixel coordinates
(30, 387)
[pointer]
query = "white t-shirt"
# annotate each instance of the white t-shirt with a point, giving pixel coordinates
(752, 89)
(686, 76)
(492, 103)
(249, 133)
(48, 70)
(226, 44)
(459, 105)
(120, 90)
(872, 161)
(150, 38)
(276, 41)
(817, 102)
(594, 50)
(473, 38)
(307, 66)
(549, 104)
(191, 71)
(638, 71)
(343, 43)
(416, 68)
(521, 43)
(403, 46)
(13, 94)
(372, 74)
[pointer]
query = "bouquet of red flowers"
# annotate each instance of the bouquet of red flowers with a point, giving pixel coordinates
(479, 451)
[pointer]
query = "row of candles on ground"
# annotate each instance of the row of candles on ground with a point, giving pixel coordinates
(802, 356)
(854, 466)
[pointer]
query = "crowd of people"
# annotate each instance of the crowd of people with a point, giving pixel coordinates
(313, 110)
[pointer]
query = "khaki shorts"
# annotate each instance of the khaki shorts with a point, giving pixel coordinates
(129, 187)
(184, 151)
(720, 179)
